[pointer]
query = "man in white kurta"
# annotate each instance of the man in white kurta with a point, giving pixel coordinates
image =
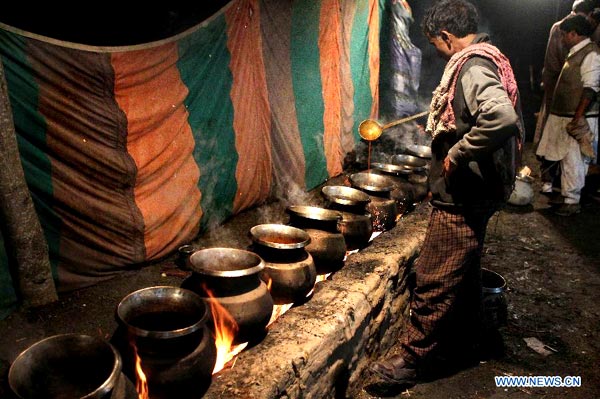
(583, 61)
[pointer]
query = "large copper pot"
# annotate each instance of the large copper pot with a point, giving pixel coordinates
(70, 366)
(167, 328)
(231, 276)
(290, 271)
(327, 245)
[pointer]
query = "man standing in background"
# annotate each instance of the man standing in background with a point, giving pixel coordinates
(571, 127)
(553, 62)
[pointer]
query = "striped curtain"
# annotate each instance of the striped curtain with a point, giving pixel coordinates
(131, 151)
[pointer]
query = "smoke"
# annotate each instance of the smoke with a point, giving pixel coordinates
(293, 194)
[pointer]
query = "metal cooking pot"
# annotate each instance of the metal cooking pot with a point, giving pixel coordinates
(372, 182)
(328, 250)
(279, 236)
(384, 212)
(314, 217)
(346, 199)
(68, 366)
(231, 276)
(392, 169)
(290, 281)
(169, 330)
(421, 151)
(356, 229)
(290, 271)
(163, 319)
(417, 164)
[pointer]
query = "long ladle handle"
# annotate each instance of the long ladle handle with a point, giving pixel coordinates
(407, 119)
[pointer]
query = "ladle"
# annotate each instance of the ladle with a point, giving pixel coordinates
(371, 130)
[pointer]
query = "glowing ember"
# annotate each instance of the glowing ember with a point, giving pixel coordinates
(141, 383)
(225, 329)
(269, 283)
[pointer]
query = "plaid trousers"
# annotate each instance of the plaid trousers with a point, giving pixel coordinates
(446, 301)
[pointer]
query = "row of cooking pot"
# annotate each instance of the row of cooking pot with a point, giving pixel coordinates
(168, 328)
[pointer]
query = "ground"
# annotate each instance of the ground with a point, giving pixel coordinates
(552, 271)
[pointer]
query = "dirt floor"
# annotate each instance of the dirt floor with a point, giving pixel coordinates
(552, 271)
(551, 265)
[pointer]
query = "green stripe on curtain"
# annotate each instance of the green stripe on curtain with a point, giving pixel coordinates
(30, 127)
(8, 297)
(359, 62)
(308, 92)
(202, 57)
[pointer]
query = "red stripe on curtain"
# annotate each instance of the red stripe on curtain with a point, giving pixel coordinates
(252, 115)
(330, 53)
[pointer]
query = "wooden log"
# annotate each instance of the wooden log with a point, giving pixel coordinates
(24, 239)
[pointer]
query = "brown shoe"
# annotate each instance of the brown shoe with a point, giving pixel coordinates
(568, 209)
(395, 371)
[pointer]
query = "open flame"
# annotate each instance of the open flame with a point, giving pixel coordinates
(141, 382)
(278, 311)
(225, 329)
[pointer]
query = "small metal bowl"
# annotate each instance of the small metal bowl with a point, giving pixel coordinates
(421, 151)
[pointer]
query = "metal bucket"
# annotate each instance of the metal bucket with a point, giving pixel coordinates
(494, 301)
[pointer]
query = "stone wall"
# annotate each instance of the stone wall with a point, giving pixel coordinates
(322, 348)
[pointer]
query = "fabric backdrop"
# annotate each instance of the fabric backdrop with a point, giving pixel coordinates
(130, 152)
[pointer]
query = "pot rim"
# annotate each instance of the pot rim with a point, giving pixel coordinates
(499, 288)
(97, 393)
(314, 213)
(254, 269)
(390, 168)
(352, 195)
(409, 161)
(280, 230)
(374, 182)
(163, 291)
(419, 150)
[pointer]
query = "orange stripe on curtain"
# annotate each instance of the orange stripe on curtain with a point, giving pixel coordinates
(252, 115)
(330, 53)
(149, 89)
(374, 55)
